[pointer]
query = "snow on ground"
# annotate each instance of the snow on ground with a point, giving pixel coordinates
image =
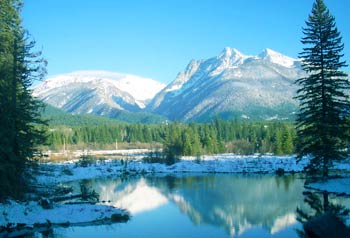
(225, 163)
(339, 186)
(334, 185)
(31, 213)
(53, 173)
(21, 219)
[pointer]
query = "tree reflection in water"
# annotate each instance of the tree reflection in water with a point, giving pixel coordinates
(324, 218)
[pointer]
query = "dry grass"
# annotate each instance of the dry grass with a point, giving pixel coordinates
(98, 146)
(71, 151)
(58, 157)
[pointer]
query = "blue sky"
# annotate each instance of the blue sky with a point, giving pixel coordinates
(158, 38)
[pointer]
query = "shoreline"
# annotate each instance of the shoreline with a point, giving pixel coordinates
(27, 217)
(224, 163)
(30, 215)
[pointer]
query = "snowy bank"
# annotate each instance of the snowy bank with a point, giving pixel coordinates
(338, 186)
(49, 174)
(225, 163)
(31, 214)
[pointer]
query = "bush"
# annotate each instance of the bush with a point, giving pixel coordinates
(88, 194)
(171, 158)
(280, 171)
(62, 190)
(45, 203)
(116, 217)
(160, 157)
(86, 160)
(154, 157)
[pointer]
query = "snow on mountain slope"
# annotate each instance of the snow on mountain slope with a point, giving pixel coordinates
(232, 84)
(277, 58)
(140, 88)
(229, 85)
(97, 92)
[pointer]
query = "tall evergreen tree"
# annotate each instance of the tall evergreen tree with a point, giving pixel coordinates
(321, 123)
(19, 114)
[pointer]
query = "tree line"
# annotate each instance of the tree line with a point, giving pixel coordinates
(185, 139)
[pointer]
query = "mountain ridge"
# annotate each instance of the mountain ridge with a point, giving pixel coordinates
(97, 92)
(229, 85)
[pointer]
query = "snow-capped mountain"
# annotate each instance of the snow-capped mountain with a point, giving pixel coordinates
(232, 84)
(229, 85)
(97, 92)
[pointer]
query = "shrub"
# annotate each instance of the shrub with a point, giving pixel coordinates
(154, 157)
(86, 160)
(280, 171)
(88, 194)
(116, 217)
(168, 158)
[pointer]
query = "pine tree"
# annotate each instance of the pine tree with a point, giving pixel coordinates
(187, 142)
(19, 111)
(321, 123)
(278, 142)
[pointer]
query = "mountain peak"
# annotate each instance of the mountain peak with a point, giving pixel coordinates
(228, 58)
(277, 58)
(269, 51)
(230, 53)
(232, 84)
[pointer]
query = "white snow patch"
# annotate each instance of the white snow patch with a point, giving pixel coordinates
(31, 213)
(224, 163)
(277, 58)
(139, 87)
(339, 185)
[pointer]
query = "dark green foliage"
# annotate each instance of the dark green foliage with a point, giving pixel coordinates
(86, 160)
(139, 117)
(154, 157)
(88, 194)
(120, 217)
(19, 116)
(254, 113)
(56, 116)
(321, 123)
(184, 139)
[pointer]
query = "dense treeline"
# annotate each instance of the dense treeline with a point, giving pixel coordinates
(19, 67)
(185, 139)
(56, 116)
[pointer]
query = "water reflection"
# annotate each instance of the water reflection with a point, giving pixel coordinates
(233, 203)
(237, 203)
(135, 195)
(324, 217)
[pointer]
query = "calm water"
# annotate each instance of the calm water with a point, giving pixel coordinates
(199, 206)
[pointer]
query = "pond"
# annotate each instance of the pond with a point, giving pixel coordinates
(211, 205)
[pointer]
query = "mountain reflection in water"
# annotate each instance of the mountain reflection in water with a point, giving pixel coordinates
(235, 203)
